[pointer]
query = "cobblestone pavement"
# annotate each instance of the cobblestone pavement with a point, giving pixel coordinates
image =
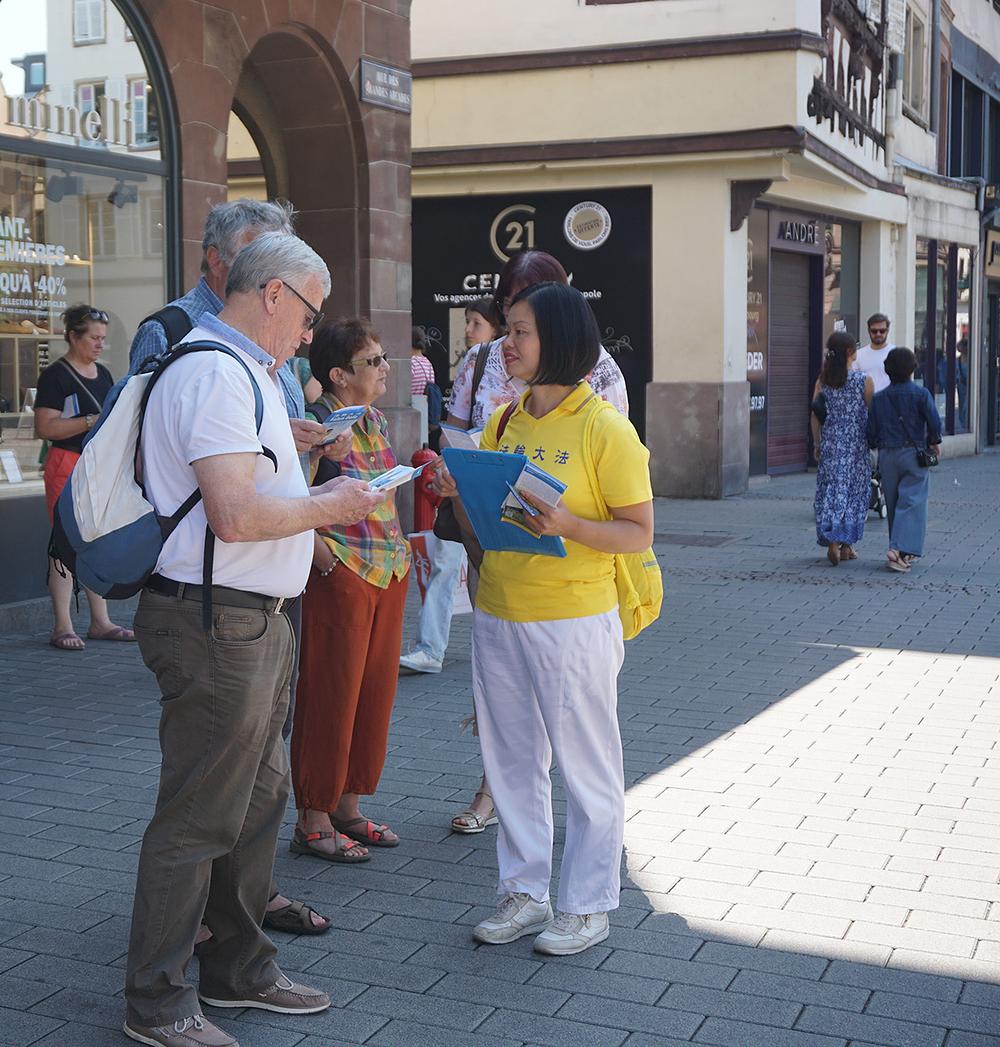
(812, 847)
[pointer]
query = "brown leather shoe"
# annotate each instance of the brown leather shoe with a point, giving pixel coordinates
(196, 1031)
(285, 997)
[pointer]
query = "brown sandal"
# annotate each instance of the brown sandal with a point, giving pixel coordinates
(295, 918)
(301, 845)
(371, 834)
(833, 553)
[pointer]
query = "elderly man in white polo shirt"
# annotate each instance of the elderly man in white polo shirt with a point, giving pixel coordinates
(209, 848)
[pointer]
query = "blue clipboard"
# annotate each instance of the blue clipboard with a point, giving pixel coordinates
(482, 478)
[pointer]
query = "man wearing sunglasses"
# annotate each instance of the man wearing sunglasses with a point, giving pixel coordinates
(209, 848)
(871, 357)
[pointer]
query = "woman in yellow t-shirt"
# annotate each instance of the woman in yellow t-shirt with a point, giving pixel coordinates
(547, 639)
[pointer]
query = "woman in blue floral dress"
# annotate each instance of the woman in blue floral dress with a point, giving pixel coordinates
(843, 481)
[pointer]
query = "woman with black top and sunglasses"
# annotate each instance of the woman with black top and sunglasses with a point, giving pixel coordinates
(70, 395)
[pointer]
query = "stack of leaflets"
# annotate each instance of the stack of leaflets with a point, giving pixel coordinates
(340, 421)
(395, 477)
(466, 439)
(539, 486)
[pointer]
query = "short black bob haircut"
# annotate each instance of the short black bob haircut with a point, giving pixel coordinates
(900, 364)
(334, 345)
(568, 335)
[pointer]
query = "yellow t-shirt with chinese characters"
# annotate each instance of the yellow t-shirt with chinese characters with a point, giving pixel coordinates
(520, 587)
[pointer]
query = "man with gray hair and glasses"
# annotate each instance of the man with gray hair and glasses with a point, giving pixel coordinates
(223, 788)
(228, 228)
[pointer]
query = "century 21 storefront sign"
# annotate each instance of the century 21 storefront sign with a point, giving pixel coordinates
(601, 237)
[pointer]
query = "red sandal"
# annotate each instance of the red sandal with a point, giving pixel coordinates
(301, 844)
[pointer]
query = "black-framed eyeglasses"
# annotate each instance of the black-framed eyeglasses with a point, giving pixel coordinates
(317, 316)
(369, 361)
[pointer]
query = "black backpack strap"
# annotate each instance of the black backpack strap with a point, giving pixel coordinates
(207, 570)
(175, 322)
(482, 358)
(319, 411)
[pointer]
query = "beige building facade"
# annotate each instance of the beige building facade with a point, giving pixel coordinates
(796, 159)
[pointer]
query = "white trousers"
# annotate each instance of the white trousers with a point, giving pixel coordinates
(544, 688)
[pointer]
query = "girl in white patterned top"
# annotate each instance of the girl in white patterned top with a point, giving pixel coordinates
(470, 408)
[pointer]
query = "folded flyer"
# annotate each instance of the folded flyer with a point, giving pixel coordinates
(538, 485)
(466, 439)
(395, 477)
(340, 421)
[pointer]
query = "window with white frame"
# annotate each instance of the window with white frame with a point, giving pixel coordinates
(915, 63)
(145, 118)
(88, 21)
(88, 97)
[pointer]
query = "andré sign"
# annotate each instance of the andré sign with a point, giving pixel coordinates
(798, 232)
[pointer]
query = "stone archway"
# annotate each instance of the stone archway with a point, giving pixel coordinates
(291, 68)
(297, 101)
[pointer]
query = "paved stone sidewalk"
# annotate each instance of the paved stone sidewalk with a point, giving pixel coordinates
(813, 855)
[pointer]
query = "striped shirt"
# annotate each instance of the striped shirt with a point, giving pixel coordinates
(421, 372)
(375, 548)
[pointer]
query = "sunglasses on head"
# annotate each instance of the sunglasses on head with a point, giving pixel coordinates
(95, 314)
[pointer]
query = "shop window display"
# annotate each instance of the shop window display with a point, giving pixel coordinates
(943, 286)
(81, 198)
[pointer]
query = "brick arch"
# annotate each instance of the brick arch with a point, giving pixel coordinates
(299, 104)
(219, 52)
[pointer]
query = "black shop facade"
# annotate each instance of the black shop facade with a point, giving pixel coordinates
(802, 285)
(601, 237)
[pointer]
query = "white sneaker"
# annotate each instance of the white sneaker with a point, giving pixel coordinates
(419, 662)
(570, 933)
(516, 916)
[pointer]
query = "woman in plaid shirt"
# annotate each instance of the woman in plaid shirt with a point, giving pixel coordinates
(352, 623)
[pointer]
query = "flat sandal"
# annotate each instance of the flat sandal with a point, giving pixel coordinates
(477, 822)
(301, 843)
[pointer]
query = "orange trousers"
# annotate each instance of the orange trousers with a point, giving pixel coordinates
(348, 673)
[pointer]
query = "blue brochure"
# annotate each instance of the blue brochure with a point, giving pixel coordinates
(484, 480)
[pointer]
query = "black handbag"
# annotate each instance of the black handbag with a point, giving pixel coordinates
(818, 407)
(446, 523)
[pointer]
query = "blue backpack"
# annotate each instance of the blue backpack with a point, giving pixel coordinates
(105, 529)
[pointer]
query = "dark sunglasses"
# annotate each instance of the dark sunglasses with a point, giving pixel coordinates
(317, 316)
(369, 361)
(95, 314)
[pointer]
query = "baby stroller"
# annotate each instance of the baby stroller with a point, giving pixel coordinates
(876, 498)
